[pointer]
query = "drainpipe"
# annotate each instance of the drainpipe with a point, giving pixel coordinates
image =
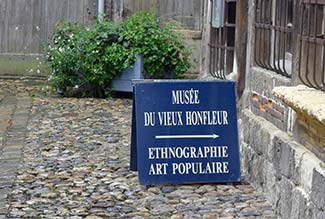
(101, 4)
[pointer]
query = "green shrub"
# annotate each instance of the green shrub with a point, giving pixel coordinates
(164, 54)
(84, 61)
(81, 59)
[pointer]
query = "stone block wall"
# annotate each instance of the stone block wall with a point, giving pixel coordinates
(262, 101)
(289, 172)
(268, 108)
(290, 175)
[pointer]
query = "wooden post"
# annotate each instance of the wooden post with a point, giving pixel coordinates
(109, 9)
(117, 10)
(241, 43)
(206, 29)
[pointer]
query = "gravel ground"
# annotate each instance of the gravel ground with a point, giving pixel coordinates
(74, 163)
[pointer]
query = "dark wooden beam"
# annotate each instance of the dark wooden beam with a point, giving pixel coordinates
(109, 9)
(241, 43)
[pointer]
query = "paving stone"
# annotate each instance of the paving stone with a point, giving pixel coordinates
(3, 211)
(4, 124)
(4, 194)
(12, 153)
(8, 169)
(3, 203)
(9, 100)
(74, 157)
(11, 156)
(10, 149)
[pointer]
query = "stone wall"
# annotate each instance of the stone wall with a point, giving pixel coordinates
(278, 151)
(290, 175)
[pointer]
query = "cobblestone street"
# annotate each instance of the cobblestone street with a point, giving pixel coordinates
(69, 158)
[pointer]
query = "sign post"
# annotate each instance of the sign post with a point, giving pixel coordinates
(185, 132)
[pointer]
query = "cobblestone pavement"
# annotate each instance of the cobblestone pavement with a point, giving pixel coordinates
(71, 161)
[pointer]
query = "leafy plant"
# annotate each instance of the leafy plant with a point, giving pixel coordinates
(84, 61)
(62, 56)
(164, 54)
(80, 58)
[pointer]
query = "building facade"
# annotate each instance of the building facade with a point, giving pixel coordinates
(277, 56)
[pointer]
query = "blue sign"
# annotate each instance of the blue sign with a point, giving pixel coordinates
(185, 132)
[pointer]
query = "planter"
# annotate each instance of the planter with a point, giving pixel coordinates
(123, 83)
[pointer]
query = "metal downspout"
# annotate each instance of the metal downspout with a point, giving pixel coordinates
(101, 5)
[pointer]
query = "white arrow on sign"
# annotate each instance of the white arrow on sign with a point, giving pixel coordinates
(214, 136)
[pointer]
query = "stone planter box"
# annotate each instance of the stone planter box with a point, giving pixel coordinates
(124, 82)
